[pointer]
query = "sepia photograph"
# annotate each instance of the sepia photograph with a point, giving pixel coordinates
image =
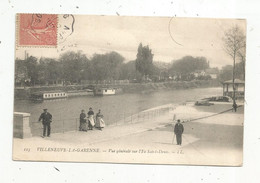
(129, 89)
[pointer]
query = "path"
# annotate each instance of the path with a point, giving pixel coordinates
(204, 141)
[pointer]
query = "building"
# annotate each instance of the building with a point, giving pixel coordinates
(239, 88)
(199, 73)
(212, 72)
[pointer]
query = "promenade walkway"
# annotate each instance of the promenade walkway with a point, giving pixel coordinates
(204, 140)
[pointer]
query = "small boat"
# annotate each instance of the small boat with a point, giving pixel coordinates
(104, 91)
(203, 103)
(47, 95)
(219, 99)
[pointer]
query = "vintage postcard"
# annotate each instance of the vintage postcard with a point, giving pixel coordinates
(118, 89)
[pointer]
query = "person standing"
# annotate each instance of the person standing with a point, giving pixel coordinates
(83, 121)
(46, 119)
(91, 121)
(234, 106)
(99, 120)
(178, 130)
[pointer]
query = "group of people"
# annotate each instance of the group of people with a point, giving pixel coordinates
(86, 122)
(89, 122)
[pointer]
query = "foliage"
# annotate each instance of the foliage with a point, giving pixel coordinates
(188, 64)
(72, 66)
(128, 71)
(226, 72)
(31, 67)
(20, 72)
(235, 46)
(49, 70)
(144, 60)
(234, 42)
(106, 66)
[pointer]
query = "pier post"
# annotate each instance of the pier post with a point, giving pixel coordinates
(21, 128)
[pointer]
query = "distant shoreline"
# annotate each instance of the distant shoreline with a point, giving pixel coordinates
(25, 92)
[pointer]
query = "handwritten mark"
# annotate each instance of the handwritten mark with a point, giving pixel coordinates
(117, 14)
(56, 169)
(169, 29)
(66, 26)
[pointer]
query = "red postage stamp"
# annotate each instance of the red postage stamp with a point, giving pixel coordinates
(37, 30)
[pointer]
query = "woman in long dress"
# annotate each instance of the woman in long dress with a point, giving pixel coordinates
(83, 121)
(99, 120)
(91, 121)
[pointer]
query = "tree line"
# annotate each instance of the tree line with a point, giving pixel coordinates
(73, 67)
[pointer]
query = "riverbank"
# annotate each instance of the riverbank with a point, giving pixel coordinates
(209, 141)
(25, 92)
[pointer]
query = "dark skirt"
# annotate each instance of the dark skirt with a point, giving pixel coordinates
(83, 126)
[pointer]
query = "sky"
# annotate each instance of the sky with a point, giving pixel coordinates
(170, 38)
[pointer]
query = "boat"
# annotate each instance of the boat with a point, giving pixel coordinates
(48, 95)
(76, 93)
(104, 91)
(203, 103)
(219, 99)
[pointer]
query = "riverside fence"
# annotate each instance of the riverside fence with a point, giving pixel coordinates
(72, 124)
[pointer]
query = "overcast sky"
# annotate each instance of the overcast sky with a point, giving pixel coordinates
(169, 38)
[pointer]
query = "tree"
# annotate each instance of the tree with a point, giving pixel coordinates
(188, 64)
(20, 72)
(32, 71)
(240, 70)
(106, 66)
(114, 62)
(242, 57)
(234, 45)
(72, 66)
(144, 60)
(128, 71)
(50, 71)
(226, 73)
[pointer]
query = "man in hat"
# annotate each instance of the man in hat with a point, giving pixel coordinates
(178, 130)
(46, 119)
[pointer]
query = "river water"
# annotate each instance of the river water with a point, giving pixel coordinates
(114, 107)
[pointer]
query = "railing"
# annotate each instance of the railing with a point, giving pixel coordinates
(143, 116)
(72, 124)
(92, 82)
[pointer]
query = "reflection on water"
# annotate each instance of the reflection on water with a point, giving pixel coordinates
(113, 107)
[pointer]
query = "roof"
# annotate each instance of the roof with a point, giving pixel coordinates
(104, 88)
(237, 81)
(212, 71)
(43, 92)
